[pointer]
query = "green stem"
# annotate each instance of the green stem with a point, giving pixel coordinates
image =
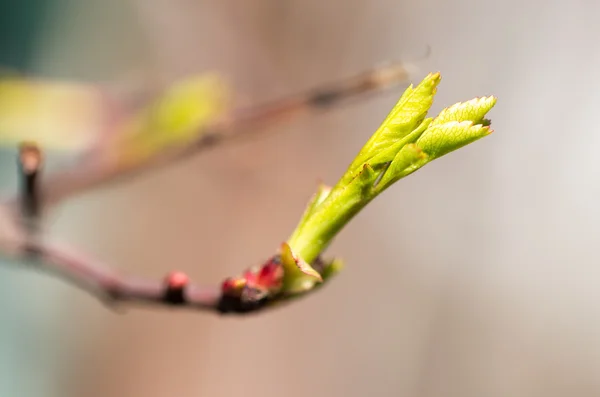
(322, 222)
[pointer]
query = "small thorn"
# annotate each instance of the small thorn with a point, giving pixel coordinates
(175, 284)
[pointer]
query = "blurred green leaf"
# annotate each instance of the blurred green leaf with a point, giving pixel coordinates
(173, 120)
(68, 116)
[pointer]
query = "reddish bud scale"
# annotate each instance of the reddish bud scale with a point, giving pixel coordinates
(265, 278)
(251, 276)
(270, 275)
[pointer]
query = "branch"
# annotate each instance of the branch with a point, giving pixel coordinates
(406, 141)
(110, 287)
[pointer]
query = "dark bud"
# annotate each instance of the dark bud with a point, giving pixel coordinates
(30, 158)
(175, 284)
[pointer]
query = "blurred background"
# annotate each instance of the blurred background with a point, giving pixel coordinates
(474, 277)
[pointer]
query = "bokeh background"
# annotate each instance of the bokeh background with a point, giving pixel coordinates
(476, 276)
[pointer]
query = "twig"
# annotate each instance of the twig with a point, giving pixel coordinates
(22, 241)
(97, 278)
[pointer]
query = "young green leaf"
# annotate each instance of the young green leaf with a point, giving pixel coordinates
(404, 143)
(441, 139)
(388, 154)
(473, 110)
(408, 113)
(407, 161)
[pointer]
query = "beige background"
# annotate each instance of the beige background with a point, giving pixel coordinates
(477, 276)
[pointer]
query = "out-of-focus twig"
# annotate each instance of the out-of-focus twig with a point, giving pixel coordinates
(30, 163)
(98, 167)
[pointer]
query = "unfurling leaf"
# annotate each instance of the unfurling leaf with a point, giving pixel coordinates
(444, 138)
(409, 159)
(405, 117)
(406, 141)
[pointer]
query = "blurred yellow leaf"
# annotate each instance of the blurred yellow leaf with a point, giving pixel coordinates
(68, 116)
(56, 115)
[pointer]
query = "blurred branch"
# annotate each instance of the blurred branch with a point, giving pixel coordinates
(99, 167)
